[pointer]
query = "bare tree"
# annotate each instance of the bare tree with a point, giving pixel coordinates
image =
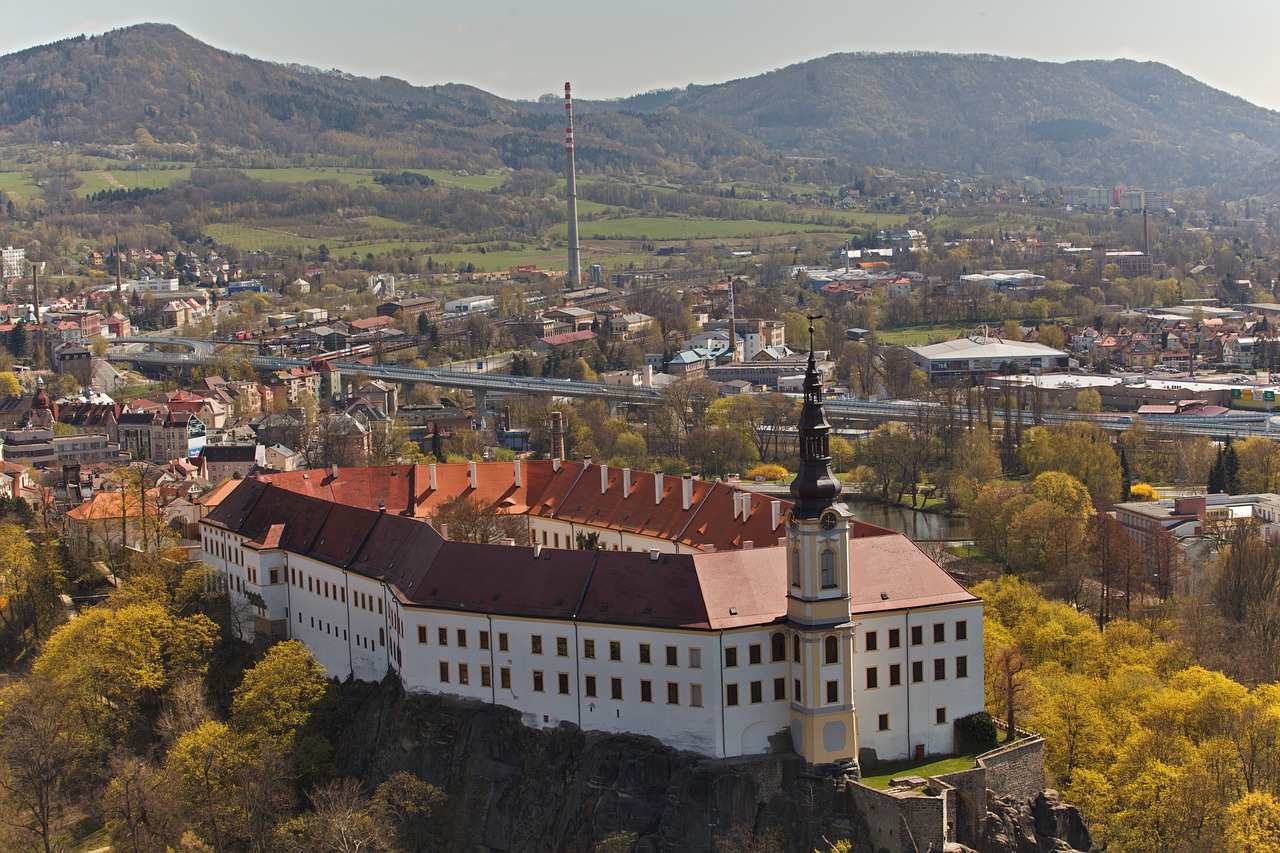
(469, 519)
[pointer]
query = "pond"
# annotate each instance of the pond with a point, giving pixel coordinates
(916, 525)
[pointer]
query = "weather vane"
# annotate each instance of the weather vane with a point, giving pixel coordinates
(811, 318)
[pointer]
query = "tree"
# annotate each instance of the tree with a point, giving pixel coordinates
(1253, 824)
(386, 440)
(9, 386)
(1088, 401)
(1009, 675)
(278, 696)
(469, 519)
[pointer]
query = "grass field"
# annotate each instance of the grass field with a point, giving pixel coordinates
(883, 773)
(655, 228)
(915, 336)
(19, 184)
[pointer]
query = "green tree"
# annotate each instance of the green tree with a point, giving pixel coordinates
(1088, 401)
(278, 696)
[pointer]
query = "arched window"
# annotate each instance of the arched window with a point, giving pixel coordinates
(778, 647)
(831, 650)
(795, 567)
(828, 569)
(795, 647)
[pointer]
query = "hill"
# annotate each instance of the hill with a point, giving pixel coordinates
(1094, 121)
(154, 86)
(169, 95)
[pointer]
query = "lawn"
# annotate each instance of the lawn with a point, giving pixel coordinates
(935, 767)
(912, 336)
(19, 184)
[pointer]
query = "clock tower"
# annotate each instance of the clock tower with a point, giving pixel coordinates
(823, 720)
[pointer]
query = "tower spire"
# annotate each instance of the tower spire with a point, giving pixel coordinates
(815, 488)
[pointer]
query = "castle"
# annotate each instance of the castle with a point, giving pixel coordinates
(712, 619)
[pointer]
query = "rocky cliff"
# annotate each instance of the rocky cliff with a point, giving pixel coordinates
(513, 788)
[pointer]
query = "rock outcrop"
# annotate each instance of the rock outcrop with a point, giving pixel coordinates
(514, 788)
(1042, 825)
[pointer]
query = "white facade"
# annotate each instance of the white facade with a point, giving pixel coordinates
(12, 261)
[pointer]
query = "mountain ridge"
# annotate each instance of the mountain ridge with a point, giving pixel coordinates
(1085, 121)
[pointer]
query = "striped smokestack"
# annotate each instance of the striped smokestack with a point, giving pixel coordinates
(575, 261)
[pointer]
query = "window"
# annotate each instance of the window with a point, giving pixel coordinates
(895, 674)
(695, 695)
(646, 691)
(870, 640)
(615, 688)
(962, 630)
(673, 656)
(753, 653)
(779, 689)
(562, 680)
(562, 647)
(795, 567)
(917, 635)
(444, 672)
(486, 676)
(504, 677)
(382, 637)
(939, 632)
(731, 695)
(831, 650)
(537, 681)
(502, 643)
(615, 650)
(589, 649)
(462, 638)
(422, 634)
(464, 674)
(778, 647)
(379, 606)
(275, 576)
(940, 716)
(535, 645)
(939, 669)
(873, 678)
(673, 693)
(757, 692)
(828, 569)
(883, 723)
(484, 641)
(833, 692)
(797, 696)
(962, 666)
(795, 648)
(442, 635)
(895, 638)
(695, 658)
(644, 653)
(731, 656)
(917, 671)
(589, 686)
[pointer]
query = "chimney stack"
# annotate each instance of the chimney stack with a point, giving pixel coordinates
(746, 505)
(557, 438)
(686, 491)
(626, 483)
(119, 283)
(653, 555)
(519, 482)
(334, 470)
(431, 473)
(657, 489)
(35, 291)
(775, 511)
(604, 479)
(571, 191)
(471, 472)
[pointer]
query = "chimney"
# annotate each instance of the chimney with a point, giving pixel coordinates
(736, 503)
(782, 540)
(571, 192)
(119, 283)
(686, 492)
(506, 541)
(653, 555)
(557, 437)
(747, 544)
(555, 464)
(586, 462)
(334, 471)
(709, 549)
(626, 483)
(471, 472)
(604, 479)
(746, 505)
(537, 550)
(519, 476)
(382, 506)
(431, 474)
(775, 514)
(35, 291)
(657, 489)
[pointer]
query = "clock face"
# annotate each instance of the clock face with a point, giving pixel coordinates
(829, 521)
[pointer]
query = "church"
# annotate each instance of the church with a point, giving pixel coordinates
(711, 618)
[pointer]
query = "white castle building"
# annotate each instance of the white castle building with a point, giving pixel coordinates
(714, 620)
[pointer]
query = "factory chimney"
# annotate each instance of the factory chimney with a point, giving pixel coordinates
(557, 436)
(119, 283)
(575, 260)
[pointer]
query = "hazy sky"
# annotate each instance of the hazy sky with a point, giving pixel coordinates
(610, 48)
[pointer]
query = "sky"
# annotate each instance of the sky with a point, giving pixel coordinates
(612, 49)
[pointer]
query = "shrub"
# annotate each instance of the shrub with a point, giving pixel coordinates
(1143, 492)
(767, 472)
(975, 733)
